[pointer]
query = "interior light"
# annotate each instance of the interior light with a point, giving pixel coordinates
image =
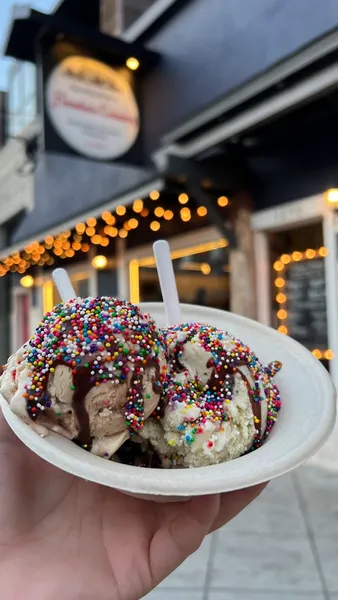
(154, 195)
(332, 196)
(27, 281)
(99, 262)
(132, 63)
(205, 268)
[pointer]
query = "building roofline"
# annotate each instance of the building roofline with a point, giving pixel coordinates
(249, 119)
(273, 76)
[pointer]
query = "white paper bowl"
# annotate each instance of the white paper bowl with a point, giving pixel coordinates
(305, 422)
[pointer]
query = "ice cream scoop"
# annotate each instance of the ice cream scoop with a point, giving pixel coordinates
(220, 401)
(92, 371)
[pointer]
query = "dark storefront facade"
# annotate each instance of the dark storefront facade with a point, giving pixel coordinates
(232, 158)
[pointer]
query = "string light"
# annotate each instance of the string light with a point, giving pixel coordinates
(111, 231)
(183, 198)
(133, 223)
(222, 201)
(96, 239)
(159, 211)
(279, 282)
(106, 216)
(281, 296)
(138, 206)
(121, 210)
(185, 214)
(66, 244)
(202, 211)
(296, 256)
(155, 226)
(310, 254)
(278, 266)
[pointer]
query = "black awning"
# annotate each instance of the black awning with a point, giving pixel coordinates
(68, 188)
(26, 28)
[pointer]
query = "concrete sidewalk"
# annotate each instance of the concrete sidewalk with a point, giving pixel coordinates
(283, 547)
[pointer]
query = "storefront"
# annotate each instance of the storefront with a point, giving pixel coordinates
(210, 148)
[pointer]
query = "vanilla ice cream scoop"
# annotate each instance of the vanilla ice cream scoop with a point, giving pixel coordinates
(221, 402)
(93, 372)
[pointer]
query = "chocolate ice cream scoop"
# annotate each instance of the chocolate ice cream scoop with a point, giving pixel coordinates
(93, 372)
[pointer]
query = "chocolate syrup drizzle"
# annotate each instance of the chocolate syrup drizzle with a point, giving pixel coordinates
(87, 375)
(222, 378)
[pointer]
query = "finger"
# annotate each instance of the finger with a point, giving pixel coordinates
(232, 503)
(186, 525)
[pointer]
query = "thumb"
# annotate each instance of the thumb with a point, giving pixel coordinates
(182, 532)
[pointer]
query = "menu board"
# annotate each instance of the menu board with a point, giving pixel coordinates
(306, 302)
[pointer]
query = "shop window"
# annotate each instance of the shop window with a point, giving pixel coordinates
(201, 272)
(22, 97)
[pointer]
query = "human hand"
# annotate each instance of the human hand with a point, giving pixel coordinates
(62, 538)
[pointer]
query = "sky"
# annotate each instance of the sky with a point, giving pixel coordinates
(5, 17)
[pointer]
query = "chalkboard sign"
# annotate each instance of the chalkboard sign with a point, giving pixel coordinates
(306, 302)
